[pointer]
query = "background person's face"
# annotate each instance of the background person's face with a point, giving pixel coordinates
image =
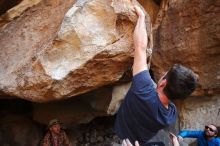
(55, 128)
(210, 131)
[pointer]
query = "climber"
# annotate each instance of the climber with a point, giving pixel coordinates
(146, 108)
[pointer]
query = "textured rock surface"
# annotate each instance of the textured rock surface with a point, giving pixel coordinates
(9, 13)
(16, 126)
(151, 7)
(118, 95)
(199, 111)
(93, 48)
(29, 34)
(16, 130)
(189, 34)
(81, 109)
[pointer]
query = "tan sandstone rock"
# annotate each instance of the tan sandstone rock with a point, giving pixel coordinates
(118, 95)
(15, 11)
(46, 60)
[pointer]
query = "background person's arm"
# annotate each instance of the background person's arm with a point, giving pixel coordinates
(190, 134)
(140, 43)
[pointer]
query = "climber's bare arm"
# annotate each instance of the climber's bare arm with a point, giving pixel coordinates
(140, 43)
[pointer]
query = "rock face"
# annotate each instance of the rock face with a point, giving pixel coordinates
(200, 111)
(16, 130)
(46, 60)
(189, 34)
(29, 34)
(16, 126)
(9, 10)
(118, 95)
(78, 110)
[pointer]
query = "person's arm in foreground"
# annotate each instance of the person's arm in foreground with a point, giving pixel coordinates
(140, 43)
(174, 139)
(126, 142)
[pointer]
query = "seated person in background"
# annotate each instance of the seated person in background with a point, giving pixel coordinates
(55, 135)
(207, 137)
(147, 109)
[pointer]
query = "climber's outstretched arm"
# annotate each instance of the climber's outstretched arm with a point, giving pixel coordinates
(140, 43)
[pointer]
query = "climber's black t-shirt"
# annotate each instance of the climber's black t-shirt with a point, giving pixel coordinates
(142, 114)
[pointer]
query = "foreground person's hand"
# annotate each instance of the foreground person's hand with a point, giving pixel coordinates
(126, 142)
(174, 139)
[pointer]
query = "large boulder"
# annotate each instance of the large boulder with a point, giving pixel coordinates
(46, 60)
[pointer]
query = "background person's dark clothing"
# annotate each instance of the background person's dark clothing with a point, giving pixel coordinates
(142, 114)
